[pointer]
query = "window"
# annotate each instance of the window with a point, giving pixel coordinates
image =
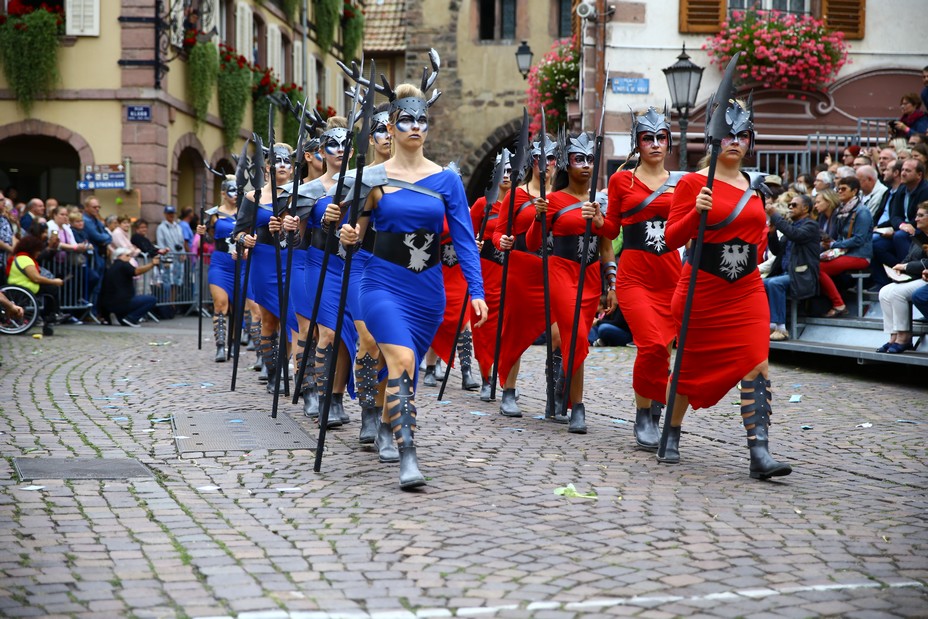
(496, 20)
(704, 16)
(273, 51)
(258, 51)
(82, 18)
(565, 15)
(286, 60)
(320, 82)
(298, 63)
(244, 30)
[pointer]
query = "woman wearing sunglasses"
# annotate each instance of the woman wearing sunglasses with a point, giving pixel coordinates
(648, 270)
(567, 212)
(728, 339)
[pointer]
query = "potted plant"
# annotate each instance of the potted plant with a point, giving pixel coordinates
(780, 50)
(202, 74)
(352, 30)
(234, 86)
(553, 83)
(29, 50)
(264, 84)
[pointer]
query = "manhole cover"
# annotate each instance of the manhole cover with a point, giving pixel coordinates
(202, 432)
(79, 468)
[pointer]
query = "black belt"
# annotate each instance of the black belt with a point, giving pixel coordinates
(416, 251)
(646, 236)
(265, 237)
(570, 247)
(306, 241)
(730, 261)
(320, 237)
(370, 237)
(222, 245)
(489, 252)
(449, 257)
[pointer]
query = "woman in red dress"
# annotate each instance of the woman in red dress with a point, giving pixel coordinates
(728, 334)
(491, 265)
(648, 270)
(567, 212)
(524, 315)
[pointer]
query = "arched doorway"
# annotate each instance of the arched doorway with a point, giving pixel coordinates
(190, 172)
(39, 166)
(481, 162)
(226, 167)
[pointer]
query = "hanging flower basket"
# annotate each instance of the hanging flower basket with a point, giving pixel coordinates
(779, 50)
(234, 87)
(29, 51)
(553, 83)
(291, 130)
(202, 74)
(352, 30)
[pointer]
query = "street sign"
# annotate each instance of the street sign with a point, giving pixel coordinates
(104, 176)
(631, 85)
(138, 113)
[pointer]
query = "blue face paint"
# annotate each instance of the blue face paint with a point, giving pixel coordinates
(405, 123)
(332, 147)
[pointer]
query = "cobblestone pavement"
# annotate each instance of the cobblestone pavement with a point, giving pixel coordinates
(258, 535)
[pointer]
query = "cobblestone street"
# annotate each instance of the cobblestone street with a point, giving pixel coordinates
(259, 535)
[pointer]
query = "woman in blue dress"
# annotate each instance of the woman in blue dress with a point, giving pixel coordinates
(262, 281)
(402, 292)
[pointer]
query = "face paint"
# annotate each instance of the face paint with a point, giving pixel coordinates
(579, 160)
(743, 138)
(405, 123)
(647, 139)
(333, 146)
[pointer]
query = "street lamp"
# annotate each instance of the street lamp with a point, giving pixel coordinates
(683, 78)
(524, 59)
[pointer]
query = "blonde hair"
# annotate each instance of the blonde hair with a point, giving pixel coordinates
(336, 122)
(405, 91)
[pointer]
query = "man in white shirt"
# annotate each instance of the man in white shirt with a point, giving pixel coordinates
(871, 190)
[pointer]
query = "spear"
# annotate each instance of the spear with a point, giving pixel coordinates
(490, 196)
(518, 163)
(542, 172)
(284, 299)
(281, 297)
(257, 181)
(200, 266)
(330, 241)
(715, 131)
(361, 150)
(587, 234)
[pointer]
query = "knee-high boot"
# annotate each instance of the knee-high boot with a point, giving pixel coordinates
(321, 370)
(402, 412)
(254, 329)
(219, 334)
(553, 409)
(265, 356)
(365, 375)
(466, 354)
(307, 386)
(271, 349)
(755, 413)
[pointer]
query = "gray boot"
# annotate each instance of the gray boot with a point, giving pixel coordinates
(310, 402)
(485, 391)
(386, 449)
(337, 409)
(508, 406)
(465, 354)
(577, 419)
(321, 370)
(647, 435)
(756, 417)
(365, 378)
(429, 379)
(402, 413)
(219, 334)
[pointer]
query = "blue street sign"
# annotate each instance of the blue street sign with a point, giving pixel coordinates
(138, 113)
(631, 85)
(111, 184)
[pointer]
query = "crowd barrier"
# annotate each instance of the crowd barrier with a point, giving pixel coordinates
(176, 282)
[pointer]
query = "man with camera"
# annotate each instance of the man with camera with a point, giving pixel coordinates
(170, 236)
(117, 296)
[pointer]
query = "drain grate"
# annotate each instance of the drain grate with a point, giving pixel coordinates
(204, 432)
(79, 468)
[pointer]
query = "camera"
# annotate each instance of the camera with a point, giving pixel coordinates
(167, 259)
(178, 247)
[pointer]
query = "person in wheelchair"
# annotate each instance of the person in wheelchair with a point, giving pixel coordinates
(24, 271)
(9, 308)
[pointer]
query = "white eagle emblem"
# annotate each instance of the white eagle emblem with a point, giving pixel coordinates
(592, 250)
(654, 235)
(449, 255)
(734, 260)
(418, 256)
(342, 252)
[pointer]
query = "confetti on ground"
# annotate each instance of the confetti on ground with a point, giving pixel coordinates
(570, 492)
(795, 398)
(619, 421)
(236, 421)
(32, 488)
(538, 417)
(208, 488)
(179, 385)
(205, 385)
(806, 427)
(906, 421)
(444, 401)
(121, 394)
(289, 489)
(161, 419)
(514, 429)
(478, 413)
(180, 437)
(159, 343)
(119, 419)
(866, 424)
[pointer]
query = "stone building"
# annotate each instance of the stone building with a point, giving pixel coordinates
(122, 107)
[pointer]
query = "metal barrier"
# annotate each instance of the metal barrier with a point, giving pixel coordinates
(821, 145)
(175, 283)
(792, 162)
(873, 131)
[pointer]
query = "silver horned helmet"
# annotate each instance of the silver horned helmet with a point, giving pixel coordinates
(336, 137)
(584, 144)
(228, 186)
(379, 121)
(738, 118)
(651, 122)
(413, 106)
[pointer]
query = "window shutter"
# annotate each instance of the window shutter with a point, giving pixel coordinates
(298, 63)
(176, 18)
(274, 55)
(210, 19)
(82, 18)
(702, 16)
(846, 16)
(244, 29)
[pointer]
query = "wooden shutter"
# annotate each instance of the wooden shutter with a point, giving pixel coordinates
(702, 16)
(210, 19)
(273, 51)
(82, 18)
(298, 61)
(847, 16)
(176, 18)
(244, 30)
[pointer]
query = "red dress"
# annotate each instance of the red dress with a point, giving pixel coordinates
(455, 295)
(524, 314)
(564, 274)
(728, 333)
(647, 277)
(485, 335)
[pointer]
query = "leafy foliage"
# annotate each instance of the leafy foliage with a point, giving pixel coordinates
(352, 31)
(235, 78)
(29, 53)
(552, 83)
(202, 75)
(327, 14)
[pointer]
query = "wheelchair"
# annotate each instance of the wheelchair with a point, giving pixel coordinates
(31, 311)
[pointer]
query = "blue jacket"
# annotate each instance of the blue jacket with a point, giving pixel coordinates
(855, 233)
(97, 234)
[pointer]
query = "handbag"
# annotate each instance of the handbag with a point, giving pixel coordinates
(830, 254)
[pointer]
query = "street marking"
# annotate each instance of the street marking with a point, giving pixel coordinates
(647, 601)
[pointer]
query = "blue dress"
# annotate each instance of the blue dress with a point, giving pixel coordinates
(221, 265)
(403, 307)
(262, 283)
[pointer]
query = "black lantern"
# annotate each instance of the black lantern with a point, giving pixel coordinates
(524, 59)
(683, 78)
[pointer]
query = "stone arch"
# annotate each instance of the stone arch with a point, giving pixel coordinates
(479, 164)
(184, 142)
(34, 126)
